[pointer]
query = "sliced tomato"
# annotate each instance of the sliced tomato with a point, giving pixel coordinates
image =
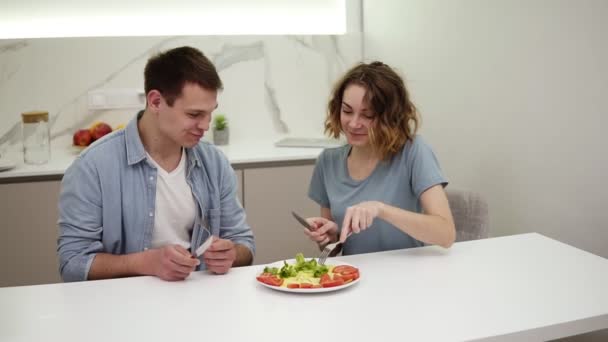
(346, 272)
(337, 276)
(345, 269)
(293, 286)
(327, 281)
(305, 285)
(350, 276)
(261, 279)
(325, 278)
(349, 272)
(276, 281)
(333, 283)
(270, 280)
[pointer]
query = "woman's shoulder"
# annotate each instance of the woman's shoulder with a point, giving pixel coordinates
(416, 144)
(415, 147)
(334, 153)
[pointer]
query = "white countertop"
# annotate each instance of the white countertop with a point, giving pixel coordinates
(517, 288)
(238, 153)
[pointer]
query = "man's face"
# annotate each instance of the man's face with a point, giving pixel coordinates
(188, 119)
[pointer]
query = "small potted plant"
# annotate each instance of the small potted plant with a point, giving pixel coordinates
(220, 130)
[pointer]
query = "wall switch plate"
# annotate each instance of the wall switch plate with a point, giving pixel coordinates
(116, 99)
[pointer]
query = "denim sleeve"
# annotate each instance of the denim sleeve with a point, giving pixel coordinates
(233, 220)
(80, 221)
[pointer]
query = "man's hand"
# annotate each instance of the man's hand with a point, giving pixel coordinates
(172, 262)
(220, 256)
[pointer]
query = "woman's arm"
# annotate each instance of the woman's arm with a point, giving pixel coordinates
(434, 226)
(326, 213)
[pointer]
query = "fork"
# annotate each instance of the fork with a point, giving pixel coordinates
(330, 250)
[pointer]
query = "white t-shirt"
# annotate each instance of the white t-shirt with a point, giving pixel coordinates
(175, 206)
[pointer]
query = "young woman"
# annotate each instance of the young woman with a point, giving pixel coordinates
(384, 189)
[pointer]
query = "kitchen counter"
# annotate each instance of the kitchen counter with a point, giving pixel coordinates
(240, 154)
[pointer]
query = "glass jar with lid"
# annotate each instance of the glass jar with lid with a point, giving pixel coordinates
(36, 137)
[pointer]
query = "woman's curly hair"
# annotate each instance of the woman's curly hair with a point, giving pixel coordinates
(396, 119)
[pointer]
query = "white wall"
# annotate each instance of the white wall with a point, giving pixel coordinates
(512, 99)
(273, 85)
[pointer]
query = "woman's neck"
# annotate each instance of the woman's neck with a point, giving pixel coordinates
(361, 163)
(363, 154)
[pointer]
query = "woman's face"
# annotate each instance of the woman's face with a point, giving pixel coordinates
(355, 116)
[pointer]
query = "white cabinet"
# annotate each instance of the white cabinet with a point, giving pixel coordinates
(271, 193)
(28, 227)
(28, 247)
(28, 213)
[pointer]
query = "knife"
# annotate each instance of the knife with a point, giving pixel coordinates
(302, 221)
(202, 248)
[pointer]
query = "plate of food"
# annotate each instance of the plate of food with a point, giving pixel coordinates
(307, 276)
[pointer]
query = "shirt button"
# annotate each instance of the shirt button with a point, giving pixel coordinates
(151, 178)
(145, 248)
(151, 214)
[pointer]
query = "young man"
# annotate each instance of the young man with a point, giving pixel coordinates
(141, 200)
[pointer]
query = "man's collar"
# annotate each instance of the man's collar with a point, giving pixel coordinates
(135, 148)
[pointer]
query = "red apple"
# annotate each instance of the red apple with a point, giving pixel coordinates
(82, 137)
(100, 129)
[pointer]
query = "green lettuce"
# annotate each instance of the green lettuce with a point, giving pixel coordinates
(311, 266)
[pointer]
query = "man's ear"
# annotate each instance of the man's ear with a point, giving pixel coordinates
(154, 99)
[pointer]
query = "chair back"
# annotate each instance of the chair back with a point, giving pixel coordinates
(470, 212)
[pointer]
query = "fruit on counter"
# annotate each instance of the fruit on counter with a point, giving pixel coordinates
(82, 137)
(100, 129)
(121, 126)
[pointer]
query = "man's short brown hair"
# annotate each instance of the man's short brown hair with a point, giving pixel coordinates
(169, 71)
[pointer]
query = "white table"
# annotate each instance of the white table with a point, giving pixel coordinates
(523, 287)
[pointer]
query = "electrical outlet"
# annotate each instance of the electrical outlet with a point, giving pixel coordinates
(116, 99)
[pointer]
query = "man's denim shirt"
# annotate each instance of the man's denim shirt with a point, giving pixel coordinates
(108, 198)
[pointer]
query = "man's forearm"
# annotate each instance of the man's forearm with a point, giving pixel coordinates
(107, 266)
(243, 256)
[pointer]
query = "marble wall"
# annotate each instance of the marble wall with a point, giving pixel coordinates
(274, 86)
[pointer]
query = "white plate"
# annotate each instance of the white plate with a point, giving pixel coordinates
(6, 165)
(279, 264)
